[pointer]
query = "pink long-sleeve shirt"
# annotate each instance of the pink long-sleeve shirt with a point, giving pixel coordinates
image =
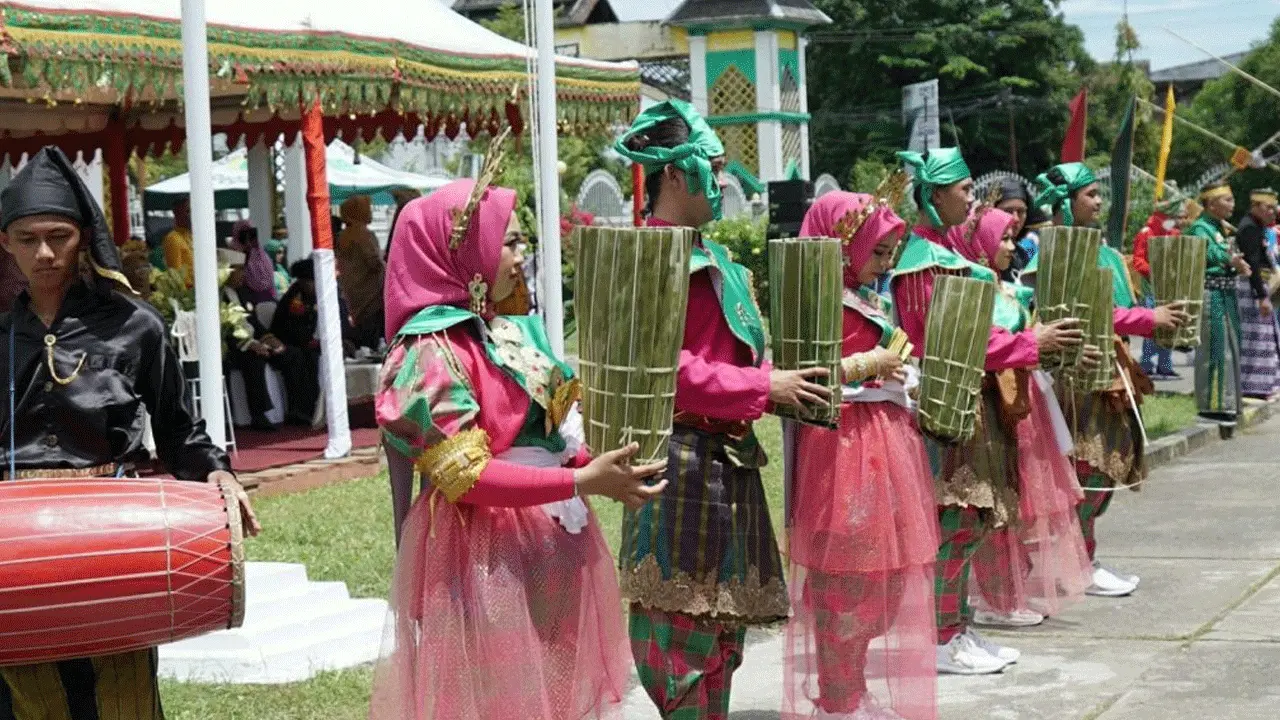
(1134, 321)
(716, 378)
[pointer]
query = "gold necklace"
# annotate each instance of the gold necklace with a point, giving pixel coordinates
(49, 341)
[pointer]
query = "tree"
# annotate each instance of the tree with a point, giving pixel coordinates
(1002, 65)
(1236, 110)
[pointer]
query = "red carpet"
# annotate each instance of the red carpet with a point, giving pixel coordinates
(288, 446)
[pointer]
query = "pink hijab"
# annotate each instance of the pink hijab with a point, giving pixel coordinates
(978, 240)
(422, 271)
(827, 212)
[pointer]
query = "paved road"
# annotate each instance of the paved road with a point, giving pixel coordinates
(1200, 639)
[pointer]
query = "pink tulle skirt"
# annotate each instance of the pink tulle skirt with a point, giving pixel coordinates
(1041, 564)
(501, 613)
(864, 535)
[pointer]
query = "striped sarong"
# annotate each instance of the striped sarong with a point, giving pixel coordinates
(706, 547)
(1259, 346)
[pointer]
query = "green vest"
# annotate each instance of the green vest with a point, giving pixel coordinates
(921, 254)
(737, 297)
(874, 307)
(517, 344)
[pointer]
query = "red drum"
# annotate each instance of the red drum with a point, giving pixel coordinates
(100, 566)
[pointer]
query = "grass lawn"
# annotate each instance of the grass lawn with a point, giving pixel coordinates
(1167, 413)
(343, 532)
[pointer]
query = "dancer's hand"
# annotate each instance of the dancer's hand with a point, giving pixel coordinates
(1265, 307)
(1242, 267)
(1090, 358)
(248, 519)
(1172, 316)
(793, 387)
(612, 476)
(1059, 335)
(887, 365)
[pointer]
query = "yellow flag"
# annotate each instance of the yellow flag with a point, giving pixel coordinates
(1166, 143)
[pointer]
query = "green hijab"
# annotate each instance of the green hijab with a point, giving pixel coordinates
(693, 157)
(943, 167)
(273, 248)
(1076, 176)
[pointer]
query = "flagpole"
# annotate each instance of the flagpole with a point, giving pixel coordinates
(1207, 133)
(1231, 67)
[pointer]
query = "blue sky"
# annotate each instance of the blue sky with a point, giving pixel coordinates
(1220, 26)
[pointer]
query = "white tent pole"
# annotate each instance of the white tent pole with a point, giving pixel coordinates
(296, 216)
(195, 79)
(549, 179)
(261, 188)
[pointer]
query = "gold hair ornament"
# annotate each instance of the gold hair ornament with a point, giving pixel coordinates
(888, 194)
(489, 171)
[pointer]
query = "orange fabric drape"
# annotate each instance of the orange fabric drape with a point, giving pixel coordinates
(317, 178)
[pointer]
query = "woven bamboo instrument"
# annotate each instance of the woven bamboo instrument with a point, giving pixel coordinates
(1066, 255)
(955, 352)
(631, 296)
(1098, 327)
(1177, 275)
(806, 312)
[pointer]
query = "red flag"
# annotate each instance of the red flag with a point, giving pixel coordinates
(1073, 144)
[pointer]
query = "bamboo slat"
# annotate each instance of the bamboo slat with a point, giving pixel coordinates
(806, 313)
(955, 351)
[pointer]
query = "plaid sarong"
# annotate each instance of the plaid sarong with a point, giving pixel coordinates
(1094, 504)
(686, 664)
(963, 529)
(706, 547)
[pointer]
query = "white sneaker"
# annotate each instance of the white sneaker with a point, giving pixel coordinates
(1123, 576)
(962, 656)
(1106, 584)
(1006, 655)
(1017, 619)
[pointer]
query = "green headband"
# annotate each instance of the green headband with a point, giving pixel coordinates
(943, 167)
(693, 157)
(1077, 176)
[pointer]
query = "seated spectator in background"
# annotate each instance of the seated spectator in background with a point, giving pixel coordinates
(278, 251)
(295, 324)
(259, 270)
(361, 271)
(178, 250)
(252, 356)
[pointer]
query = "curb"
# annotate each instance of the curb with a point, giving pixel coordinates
(1172, 447)
(361, 463)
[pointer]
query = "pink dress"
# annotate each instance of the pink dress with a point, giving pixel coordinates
(501, 608)
(864, 533)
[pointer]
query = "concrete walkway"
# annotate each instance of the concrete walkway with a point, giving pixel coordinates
(1200, 638)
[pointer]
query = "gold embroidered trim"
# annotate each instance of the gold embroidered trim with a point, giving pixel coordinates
(454, 466)
(98, 471)
(562, 400)
(748, 601)
(1114, 464)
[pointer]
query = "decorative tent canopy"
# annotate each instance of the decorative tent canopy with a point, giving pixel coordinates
(398, 62)
(346, 178)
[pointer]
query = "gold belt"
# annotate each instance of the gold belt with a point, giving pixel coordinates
(107, 470)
